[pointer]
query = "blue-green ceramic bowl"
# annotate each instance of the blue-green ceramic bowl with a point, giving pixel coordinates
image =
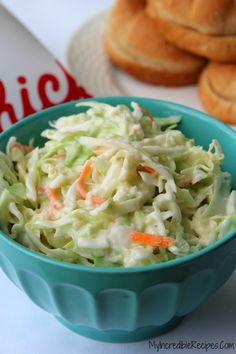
(123, 305)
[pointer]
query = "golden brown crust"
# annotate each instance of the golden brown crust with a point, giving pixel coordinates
(217, 48)
(122, 12)
(133, 43)
(217, 91)
(145, 42)
(213, 17)
(152, 76)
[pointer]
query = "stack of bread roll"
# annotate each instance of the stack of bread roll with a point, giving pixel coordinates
(176, 43)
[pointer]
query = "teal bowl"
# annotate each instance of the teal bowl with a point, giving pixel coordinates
(117, 304)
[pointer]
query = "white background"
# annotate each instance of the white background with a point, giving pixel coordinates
(26, 329)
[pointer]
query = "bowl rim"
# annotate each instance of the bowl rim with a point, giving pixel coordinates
(118, 270)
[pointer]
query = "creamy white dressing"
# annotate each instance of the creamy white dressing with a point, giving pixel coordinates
(144, 176)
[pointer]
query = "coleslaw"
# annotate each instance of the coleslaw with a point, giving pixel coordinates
(114, 187)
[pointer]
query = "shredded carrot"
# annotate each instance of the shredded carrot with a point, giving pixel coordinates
(82, 191)
(24, 148)
(186, 182)
(80, 185)
(148, 114)
(97, 200)
(152, 240)
(149, 169)
(52, 196)
(84, 173)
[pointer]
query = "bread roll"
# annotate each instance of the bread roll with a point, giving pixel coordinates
(203, 27)
(134, 43)
(217, 90)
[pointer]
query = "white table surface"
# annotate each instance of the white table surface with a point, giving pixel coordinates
(26, 329)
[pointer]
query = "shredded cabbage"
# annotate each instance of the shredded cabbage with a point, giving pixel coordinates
(145, 176)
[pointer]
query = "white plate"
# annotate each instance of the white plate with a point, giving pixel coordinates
(91, 67)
